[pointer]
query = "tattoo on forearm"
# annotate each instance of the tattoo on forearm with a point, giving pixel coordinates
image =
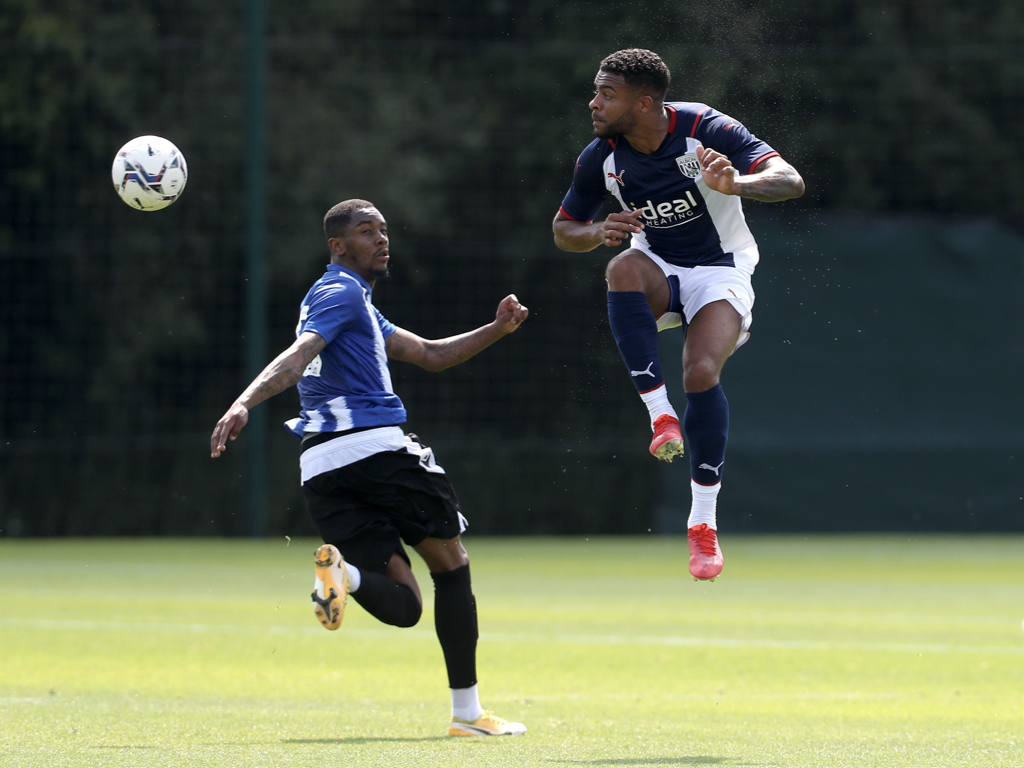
(438, 354)
(773, 186)
(282, 373)
(444, 353)
(455, 350)
(271, 383)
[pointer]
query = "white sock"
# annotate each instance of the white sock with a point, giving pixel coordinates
(466, 704)
(657, 403)
(354, 577)
(354, 580)
(705, 505)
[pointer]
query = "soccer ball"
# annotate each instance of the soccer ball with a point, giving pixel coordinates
(149, 173)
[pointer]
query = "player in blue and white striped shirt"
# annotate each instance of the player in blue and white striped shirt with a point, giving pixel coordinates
(678, 170)
(347, 385)
(367, 485)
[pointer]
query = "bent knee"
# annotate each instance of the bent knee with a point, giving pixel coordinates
(627, 265)
(409, 611)
(701, 376)
(411, 616)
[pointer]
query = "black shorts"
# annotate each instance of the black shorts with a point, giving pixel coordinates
(368, 508)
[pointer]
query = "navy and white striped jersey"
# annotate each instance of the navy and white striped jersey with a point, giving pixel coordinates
(686, 223)
(348, 384)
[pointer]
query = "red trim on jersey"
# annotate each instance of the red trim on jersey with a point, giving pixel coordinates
(612, 142)
(696, 120)
(672, 115)
(761, 159)
(565, 213)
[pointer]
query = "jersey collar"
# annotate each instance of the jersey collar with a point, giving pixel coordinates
(672, 114)
(347, 271)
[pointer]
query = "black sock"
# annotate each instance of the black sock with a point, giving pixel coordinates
(387, 600)
(455, 621)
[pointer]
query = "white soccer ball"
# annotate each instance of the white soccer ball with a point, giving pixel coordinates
(149, 173)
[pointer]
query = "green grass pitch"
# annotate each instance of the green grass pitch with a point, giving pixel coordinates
(816, 651)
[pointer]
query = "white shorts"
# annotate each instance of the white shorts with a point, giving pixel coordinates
(693, 288)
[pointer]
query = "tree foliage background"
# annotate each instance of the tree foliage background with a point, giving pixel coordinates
(123, 331)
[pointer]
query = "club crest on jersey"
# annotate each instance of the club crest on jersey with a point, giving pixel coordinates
(618, 178)
(689, 165)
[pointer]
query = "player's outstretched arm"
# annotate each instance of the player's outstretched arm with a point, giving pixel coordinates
(772, 181)
(285, 371)
(579, 236)
(438, 354)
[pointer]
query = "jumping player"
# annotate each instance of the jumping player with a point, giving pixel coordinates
(367, 485)
(679, 171)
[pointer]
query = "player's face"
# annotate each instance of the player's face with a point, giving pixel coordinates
(363, 247)
(614, 106)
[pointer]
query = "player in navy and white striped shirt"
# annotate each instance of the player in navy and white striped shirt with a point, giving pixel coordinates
(367, 485)
(678, 170)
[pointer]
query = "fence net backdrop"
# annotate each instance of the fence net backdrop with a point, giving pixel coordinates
(124, 332)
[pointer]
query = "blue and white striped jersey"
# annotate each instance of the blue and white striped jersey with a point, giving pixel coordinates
(686, 223)
(348, 384)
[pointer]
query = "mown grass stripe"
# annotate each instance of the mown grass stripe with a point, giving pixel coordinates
(584, 639)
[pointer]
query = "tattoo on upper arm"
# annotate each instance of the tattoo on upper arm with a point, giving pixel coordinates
(314, 348)
(398, 346)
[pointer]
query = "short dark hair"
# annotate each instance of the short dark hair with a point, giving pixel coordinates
(641, 69)
(340, 215)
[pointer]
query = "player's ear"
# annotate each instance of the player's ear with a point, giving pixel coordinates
(646, 103)
(337, 246)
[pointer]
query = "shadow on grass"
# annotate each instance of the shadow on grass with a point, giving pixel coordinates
(366, 740)
(682, 760)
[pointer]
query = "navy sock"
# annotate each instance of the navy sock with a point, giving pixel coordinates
(706, 426)
(387, 600)
(636, 334)
(455, 621)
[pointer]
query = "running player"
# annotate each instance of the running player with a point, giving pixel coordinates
(679, 171)
(367, 485)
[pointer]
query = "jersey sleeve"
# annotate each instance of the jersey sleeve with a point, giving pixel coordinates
(331, 309)
(730, 137)
(587, 194)
(385, 325)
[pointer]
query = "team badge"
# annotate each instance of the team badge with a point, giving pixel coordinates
(689, 165)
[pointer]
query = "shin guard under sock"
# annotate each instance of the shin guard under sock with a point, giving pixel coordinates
(456, 624)
(706, 426)
(636, 334)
